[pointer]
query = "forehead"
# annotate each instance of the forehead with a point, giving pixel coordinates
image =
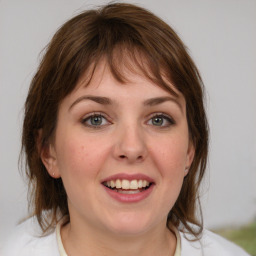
(127, 69)
(105, 89)
(102, 77)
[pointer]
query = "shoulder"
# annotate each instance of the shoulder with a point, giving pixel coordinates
(27, 240)
(209, 244)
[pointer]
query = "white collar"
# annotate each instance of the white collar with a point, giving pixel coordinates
(63, 252)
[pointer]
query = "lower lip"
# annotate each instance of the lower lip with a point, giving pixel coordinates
(130, 198)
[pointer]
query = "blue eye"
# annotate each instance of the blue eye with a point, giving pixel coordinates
(95, 121)
(157, 120)
(161, 121)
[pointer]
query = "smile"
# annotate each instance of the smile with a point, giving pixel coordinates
(127, 187)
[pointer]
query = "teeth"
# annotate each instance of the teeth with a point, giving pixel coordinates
(133, 184)
(112, 184)
(129, 191)
(126, 184)
(144, 183)
(118, 184)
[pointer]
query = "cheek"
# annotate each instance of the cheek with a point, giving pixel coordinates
(170, 154)
(79, 162)
(79, 156)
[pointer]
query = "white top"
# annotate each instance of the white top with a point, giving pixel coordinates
(63, 252)
(26, 241)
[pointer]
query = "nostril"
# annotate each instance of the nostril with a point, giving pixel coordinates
(131, 158)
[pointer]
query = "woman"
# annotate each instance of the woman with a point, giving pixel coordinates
(115, 138)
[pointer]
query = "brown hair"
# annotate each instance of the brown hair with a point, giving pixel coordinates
(114, 32)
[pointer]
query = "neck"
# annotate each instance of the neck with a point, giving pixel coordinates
(85, 240)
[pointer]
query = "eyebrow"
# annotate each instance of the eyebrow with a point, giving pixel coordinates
(100, 100)
(159, 100)
(107, 101)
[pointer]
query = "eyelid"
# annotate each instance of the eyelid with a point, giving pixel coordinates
(95, 113)
(164, 115)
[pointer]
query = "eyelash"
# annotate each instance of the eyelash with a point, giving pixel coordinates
(170, 120)
(101, 115)
(90, 116)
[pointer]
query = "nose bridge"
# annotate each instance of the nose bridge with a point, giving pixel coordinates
(130, 142)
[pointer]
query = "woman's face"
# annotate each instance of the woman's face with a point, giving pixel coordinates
(121, 151)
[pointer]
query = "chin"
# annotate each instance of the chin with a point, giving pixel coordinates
(129, 225)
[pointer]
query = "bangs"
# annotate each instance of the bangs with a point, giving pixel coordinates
(124, 60)
(125, 44)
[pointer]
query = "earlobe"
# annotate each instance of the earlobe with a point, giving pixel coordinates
(190, 157)
(48, 157)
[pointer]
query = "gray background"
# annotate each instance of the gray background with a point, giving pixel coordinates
(221, 37)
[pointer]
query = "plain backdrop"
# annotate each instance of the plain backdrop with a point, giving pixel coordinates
(221, 37)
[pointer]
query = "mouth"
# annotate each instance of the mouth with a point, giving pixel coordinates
(124, 186)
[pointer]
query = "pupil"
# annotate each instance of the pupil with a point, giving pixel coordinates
(158, 121)
(96, 120)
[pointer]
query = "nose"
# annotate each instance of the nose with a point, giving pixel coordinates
(130, 145)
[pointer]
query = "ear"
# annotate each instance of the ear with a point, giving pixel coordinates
(190, 156)
(48, 156)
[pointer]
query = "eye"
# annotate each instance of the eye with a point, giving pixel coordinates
(161, 120)
(95, 120)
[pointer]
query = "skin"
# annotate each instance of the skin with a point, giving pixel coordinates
(127, 141)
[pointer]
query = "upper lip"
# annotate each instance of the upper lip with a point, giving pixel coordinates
(125, 176)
